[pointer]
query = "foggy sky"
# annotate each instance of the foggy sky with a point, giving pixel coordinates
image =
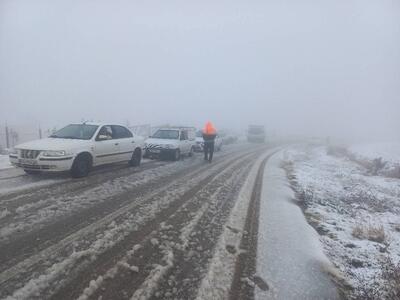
(312, 67)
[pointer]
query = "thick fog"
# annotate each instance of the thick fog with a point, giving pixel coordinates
(326, 68)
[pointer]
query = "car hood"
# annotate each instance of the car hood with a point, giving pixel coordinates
(52, 144)
(199, 139)
(161, 141)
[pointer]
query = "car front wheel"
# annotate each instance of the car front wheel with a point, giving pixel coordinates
(191, 152)
(81, 166)
(177, 155)
(136, 158)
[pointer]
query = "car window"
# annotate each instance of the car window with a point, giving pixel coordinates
(120, 132)
(166, 134)
(76, 131)
(107, 131)
(184, 135)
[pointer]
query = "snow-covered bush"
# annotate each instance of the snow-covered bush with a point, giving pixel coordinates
(385, 284)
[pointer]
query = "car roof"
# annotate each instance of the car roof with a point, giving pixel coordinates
(100, 124)
(175, 128)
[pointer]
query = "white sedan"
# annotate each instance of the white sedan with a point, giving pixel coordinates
(79, 147)
(199, 146)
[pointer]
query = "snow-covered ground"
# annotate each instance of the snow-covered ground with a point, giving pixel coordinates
(4, 162)
(381, 158)
(389, 152)
(356, 214)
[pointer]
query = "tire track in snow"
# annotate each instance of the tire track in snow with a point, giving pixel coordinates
(26, 267)
(63, 185)
(218, 282)
(243, 283)
(183, 279)
(31, 233)
(68, 209)
(107, 260)
(170, 240)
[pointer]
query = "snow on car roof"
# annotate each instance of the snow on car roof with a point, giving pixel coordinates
(100, 123)
(175, 127)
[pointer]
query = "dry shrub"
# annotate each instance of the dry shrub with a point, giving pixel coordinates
(368, 200)
(305, 197)
(377, 234)
(358, 232)
(370, 232)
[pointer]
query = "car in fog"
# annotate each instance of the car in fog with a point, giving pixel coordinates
(199, 146)
(77, 148)
(171, 142)
(256, 134)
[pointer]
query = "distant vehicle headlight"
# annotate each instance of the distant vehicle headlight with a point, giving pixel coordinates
(54, 153)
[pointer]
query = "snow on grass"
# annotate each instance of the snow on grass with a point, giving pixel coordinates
(356, 215)
(389, 152)
(382, 158)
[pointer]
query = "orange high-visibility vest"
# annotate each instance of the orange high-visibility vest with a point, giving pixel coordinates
(209, 129)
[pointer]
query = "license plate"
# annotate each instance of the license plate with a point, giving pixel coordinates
(155, 151)
(31, 162)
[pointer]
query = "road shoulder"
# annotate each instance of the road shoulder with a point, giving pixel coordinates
(289, 256)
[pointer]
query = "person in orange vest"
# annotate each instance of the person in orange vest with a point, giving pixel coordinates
(209, 134)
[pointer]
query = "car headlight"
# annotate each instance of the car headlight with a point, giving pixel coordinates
(54, 153)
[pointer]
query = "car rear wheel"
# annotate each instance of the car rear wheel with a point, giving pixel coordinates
(191, 152)
(136, 158)
(31, 172)
(177, 155)
(81, 166)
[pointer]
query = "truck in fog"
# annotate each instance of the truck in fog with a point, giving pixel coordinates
(256, 134)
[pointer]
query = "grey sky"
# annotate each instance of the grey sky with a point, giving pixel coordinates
(313, 67)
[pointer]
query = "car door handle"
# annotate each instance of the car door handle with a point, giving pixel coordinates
(133, 142)
(116, 144)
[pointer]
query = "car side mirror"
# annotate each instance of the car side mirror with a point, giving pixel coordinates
(103, 137)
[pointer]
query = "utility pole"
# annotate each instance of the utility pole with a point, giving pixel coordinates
(7, 138)
(40, 132)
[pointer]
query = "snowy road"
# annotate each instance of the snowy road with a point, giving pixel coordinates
(123, 233)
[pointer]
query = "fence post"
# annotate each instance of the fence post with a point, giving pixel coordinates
(7, 138)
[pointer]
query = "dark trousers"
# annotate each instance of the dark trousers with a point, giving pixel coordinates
(208, 150)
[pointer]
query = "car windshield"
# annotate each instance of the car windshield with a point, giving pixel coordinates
(256, 130)
(166, 134)
(76, 131)
(199, 133)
